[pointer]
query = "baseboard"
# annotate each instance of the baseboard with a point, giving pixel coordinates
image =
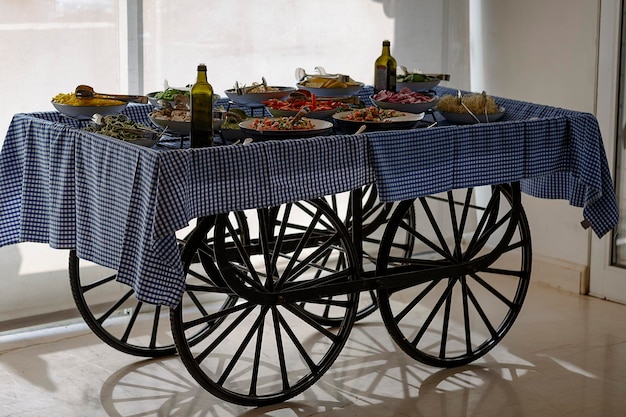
(564, 275)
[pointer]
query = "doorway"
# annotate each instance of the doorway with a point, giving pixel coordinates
(608, 257)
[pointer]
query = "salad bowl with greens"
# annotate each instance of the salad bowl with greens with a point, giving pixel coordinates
(415, 80)
(170, 94)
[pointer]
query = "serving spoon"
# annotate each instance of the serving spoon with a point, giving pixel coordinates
(85, 91)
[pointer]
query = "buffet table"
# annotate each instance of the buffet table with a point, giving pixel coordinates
(119, 204)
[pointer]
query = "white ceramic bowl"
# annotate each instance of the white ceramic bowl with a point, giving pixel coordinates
(173, 126)
(320, 128)
(465, 118)
(258, 98)
(86, 112)
(404, 121)
(176, 126)
(409, 108)
(154, 101)
(418, 86)
(323, 114)
(333, 92)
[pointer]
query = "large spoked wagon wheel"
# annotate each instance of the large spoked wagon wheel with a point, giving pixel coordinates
(114, 314)
(459, 293)
(374, 216)
(266, 348)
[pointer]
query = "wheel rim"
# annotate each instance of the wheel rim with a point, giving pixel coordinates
(264, 353)
(454, 319)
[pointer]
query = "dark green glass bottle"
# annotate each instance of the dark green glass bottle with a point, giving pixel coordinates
(385, 70)
(201, 111)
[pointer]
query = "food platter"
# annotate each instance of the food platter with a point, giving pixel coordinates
(419, 85)
(333, 92)
(174, 126)
(258, 98)
(155, 101)
(320, 128)
(405, 121)
(86, 112)
(466, 118)
(408, 107)
(121, 127)
(320, 114)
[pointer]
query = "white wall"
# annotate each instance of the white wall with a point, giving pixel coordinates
(544, 51)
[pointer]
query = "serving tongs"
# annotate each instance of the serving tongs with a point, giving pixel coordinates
(459, 98)
(442, 77)
(301, 75)
(297, 95)
(244, 90)
(85, 91)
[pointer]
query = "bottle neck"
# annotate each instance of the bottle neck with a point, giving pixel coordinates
(202, 76)
(386, 50)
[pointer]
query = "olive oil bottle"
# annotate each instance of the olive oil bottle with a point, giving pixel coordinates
(385, 70)
(201, 110)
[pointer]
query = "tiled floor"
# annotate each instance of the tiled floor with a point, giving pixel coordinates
(565, 356)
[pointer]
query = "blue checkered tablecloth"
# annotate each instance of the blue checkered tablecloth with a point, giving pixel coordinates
(554, 153)
(119, 204)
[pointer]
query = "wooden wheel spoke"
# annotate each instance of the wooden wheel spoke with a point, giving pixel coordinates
(313, 215)
(446, 325)
(459, 229)
(196, 302)
(301, 245)
(339, 276)
(210, 318)
(481, 313)
(310, 260)
(310, 264)
(304, 316)
(242, 347)
(155, 326)
(190, 288)
(372, 211)
(410, 306)
(323, 264)
(115, 306)
(244, 255)
(269, 258)
(490, 211)
(281, 234)
(429, 319)
(492, 290)
(99, 283)
(466, 316)
(131, 323)
(257, 354)
(485, 235)
(276, 318)
(301, 349)
(443, 248)
(330, 302)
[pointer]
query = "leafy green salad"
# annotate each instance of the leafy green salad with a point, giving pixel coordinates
(170, 93)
